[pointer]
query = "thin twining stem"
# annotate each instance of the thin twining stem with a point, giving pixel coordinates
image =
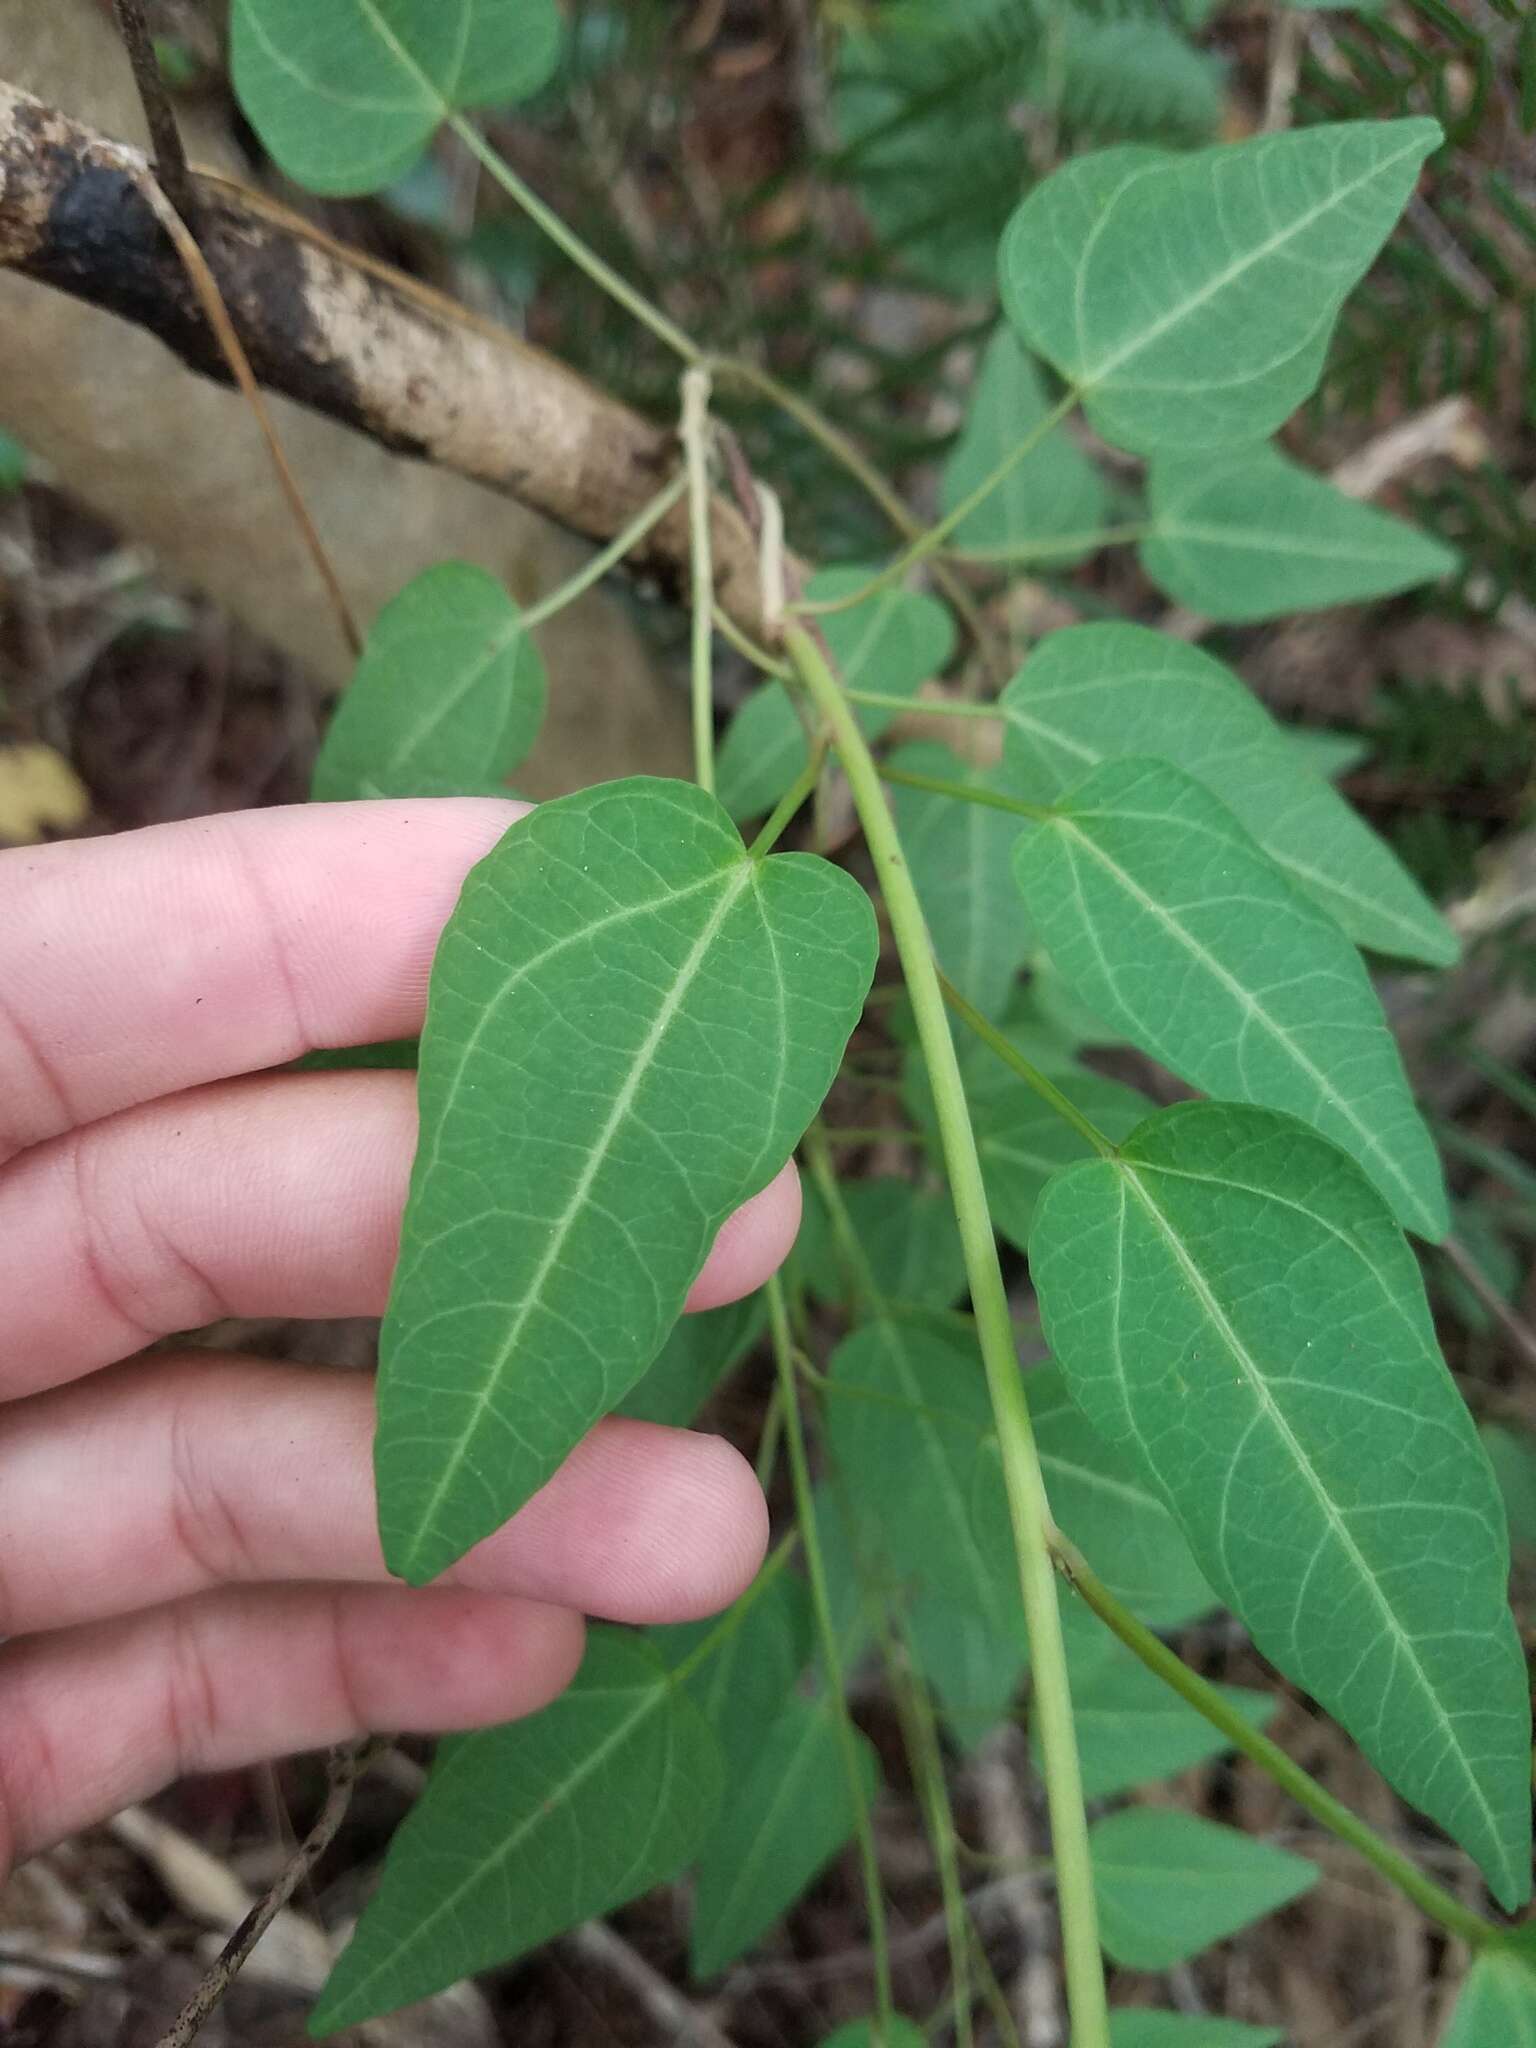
(967, 793)
(1029, 1508)
(929, 542)
(1253, 1743)
(570, 244)
(695, 434)
(609, 557)
(826, 1629)
(1027, 1071)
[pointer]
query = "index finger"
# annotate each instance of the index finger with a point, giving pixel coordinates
(155, 960)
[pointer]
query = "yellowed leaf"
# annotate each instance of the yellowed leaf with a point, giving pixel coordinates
(38, 791)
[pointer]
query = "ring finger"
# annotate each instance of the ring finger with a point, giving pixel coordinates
(272, 1196)
(203, 1471)
(97, 1717)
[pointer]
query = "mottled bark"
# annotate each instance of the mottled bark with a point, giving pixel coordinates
(349, 338)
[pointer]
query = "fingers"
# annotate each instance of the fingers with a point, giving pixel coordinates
(155, 960)
(273, 1196)
(201, 1471)
(752, 1244)
(98, 1717)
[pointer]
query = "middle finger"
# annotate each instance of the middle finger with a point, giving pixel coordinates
(278, 1195)
(202, 1471)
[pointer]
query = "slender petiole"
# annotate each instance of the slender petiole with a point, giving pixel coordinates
(803, 786)
(967, 793)
(1028, 1506)
(1027, 1071)
(826, 1629)
(609, 557)
(1253, 1743)
(930, 542)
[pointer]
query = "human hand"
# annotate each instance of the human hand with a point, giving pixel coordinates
(190, 1576)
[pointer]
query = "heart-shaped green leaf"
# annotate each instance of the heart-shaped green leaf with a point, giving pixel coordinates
(447, 698)
(517, 1836)
(1101, 693)
(631, 1022)
(1168, 1884)
(1245, 534)
(347, 93)
(1163, 916)
(1190, 299)
(1235, 1310)
(1052, 505)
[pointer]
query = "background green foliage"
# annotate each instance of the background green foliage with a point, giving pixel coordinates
(1187, 301)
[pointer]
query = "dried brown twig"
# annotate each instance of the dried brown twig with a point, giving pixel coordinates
(344, 1767)
(351, 338)
(171, 167)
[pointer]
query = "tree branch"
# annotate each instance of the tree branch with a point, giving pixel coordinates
(351, 338)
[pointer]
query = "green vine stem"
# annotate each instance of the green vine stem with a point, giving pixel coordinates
(1028, 1506)
(855, 1270)
(925, 1758)
(945, 707)
(607, 558)
(851, 457)
(967, 793)
(747, 647)
(933, 538)
(1430, 1898)
(805, 1511)
(1027, 1071)
(730, 368)
(565, 239)
(1058, 545)
(802, 787)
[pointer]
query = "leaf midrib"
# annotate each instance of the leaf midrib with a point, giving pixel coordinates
(1245, 1000)
(1233, 271)
(1253, 1375)
(746, 1870)
(651, 1697)
(1174, 527)
(1415, 929)
(737, 882)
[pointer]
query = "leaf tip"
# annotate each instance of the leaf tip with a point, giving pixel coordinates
(330, 2015)
(1510, 1880)
(414, 1555)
